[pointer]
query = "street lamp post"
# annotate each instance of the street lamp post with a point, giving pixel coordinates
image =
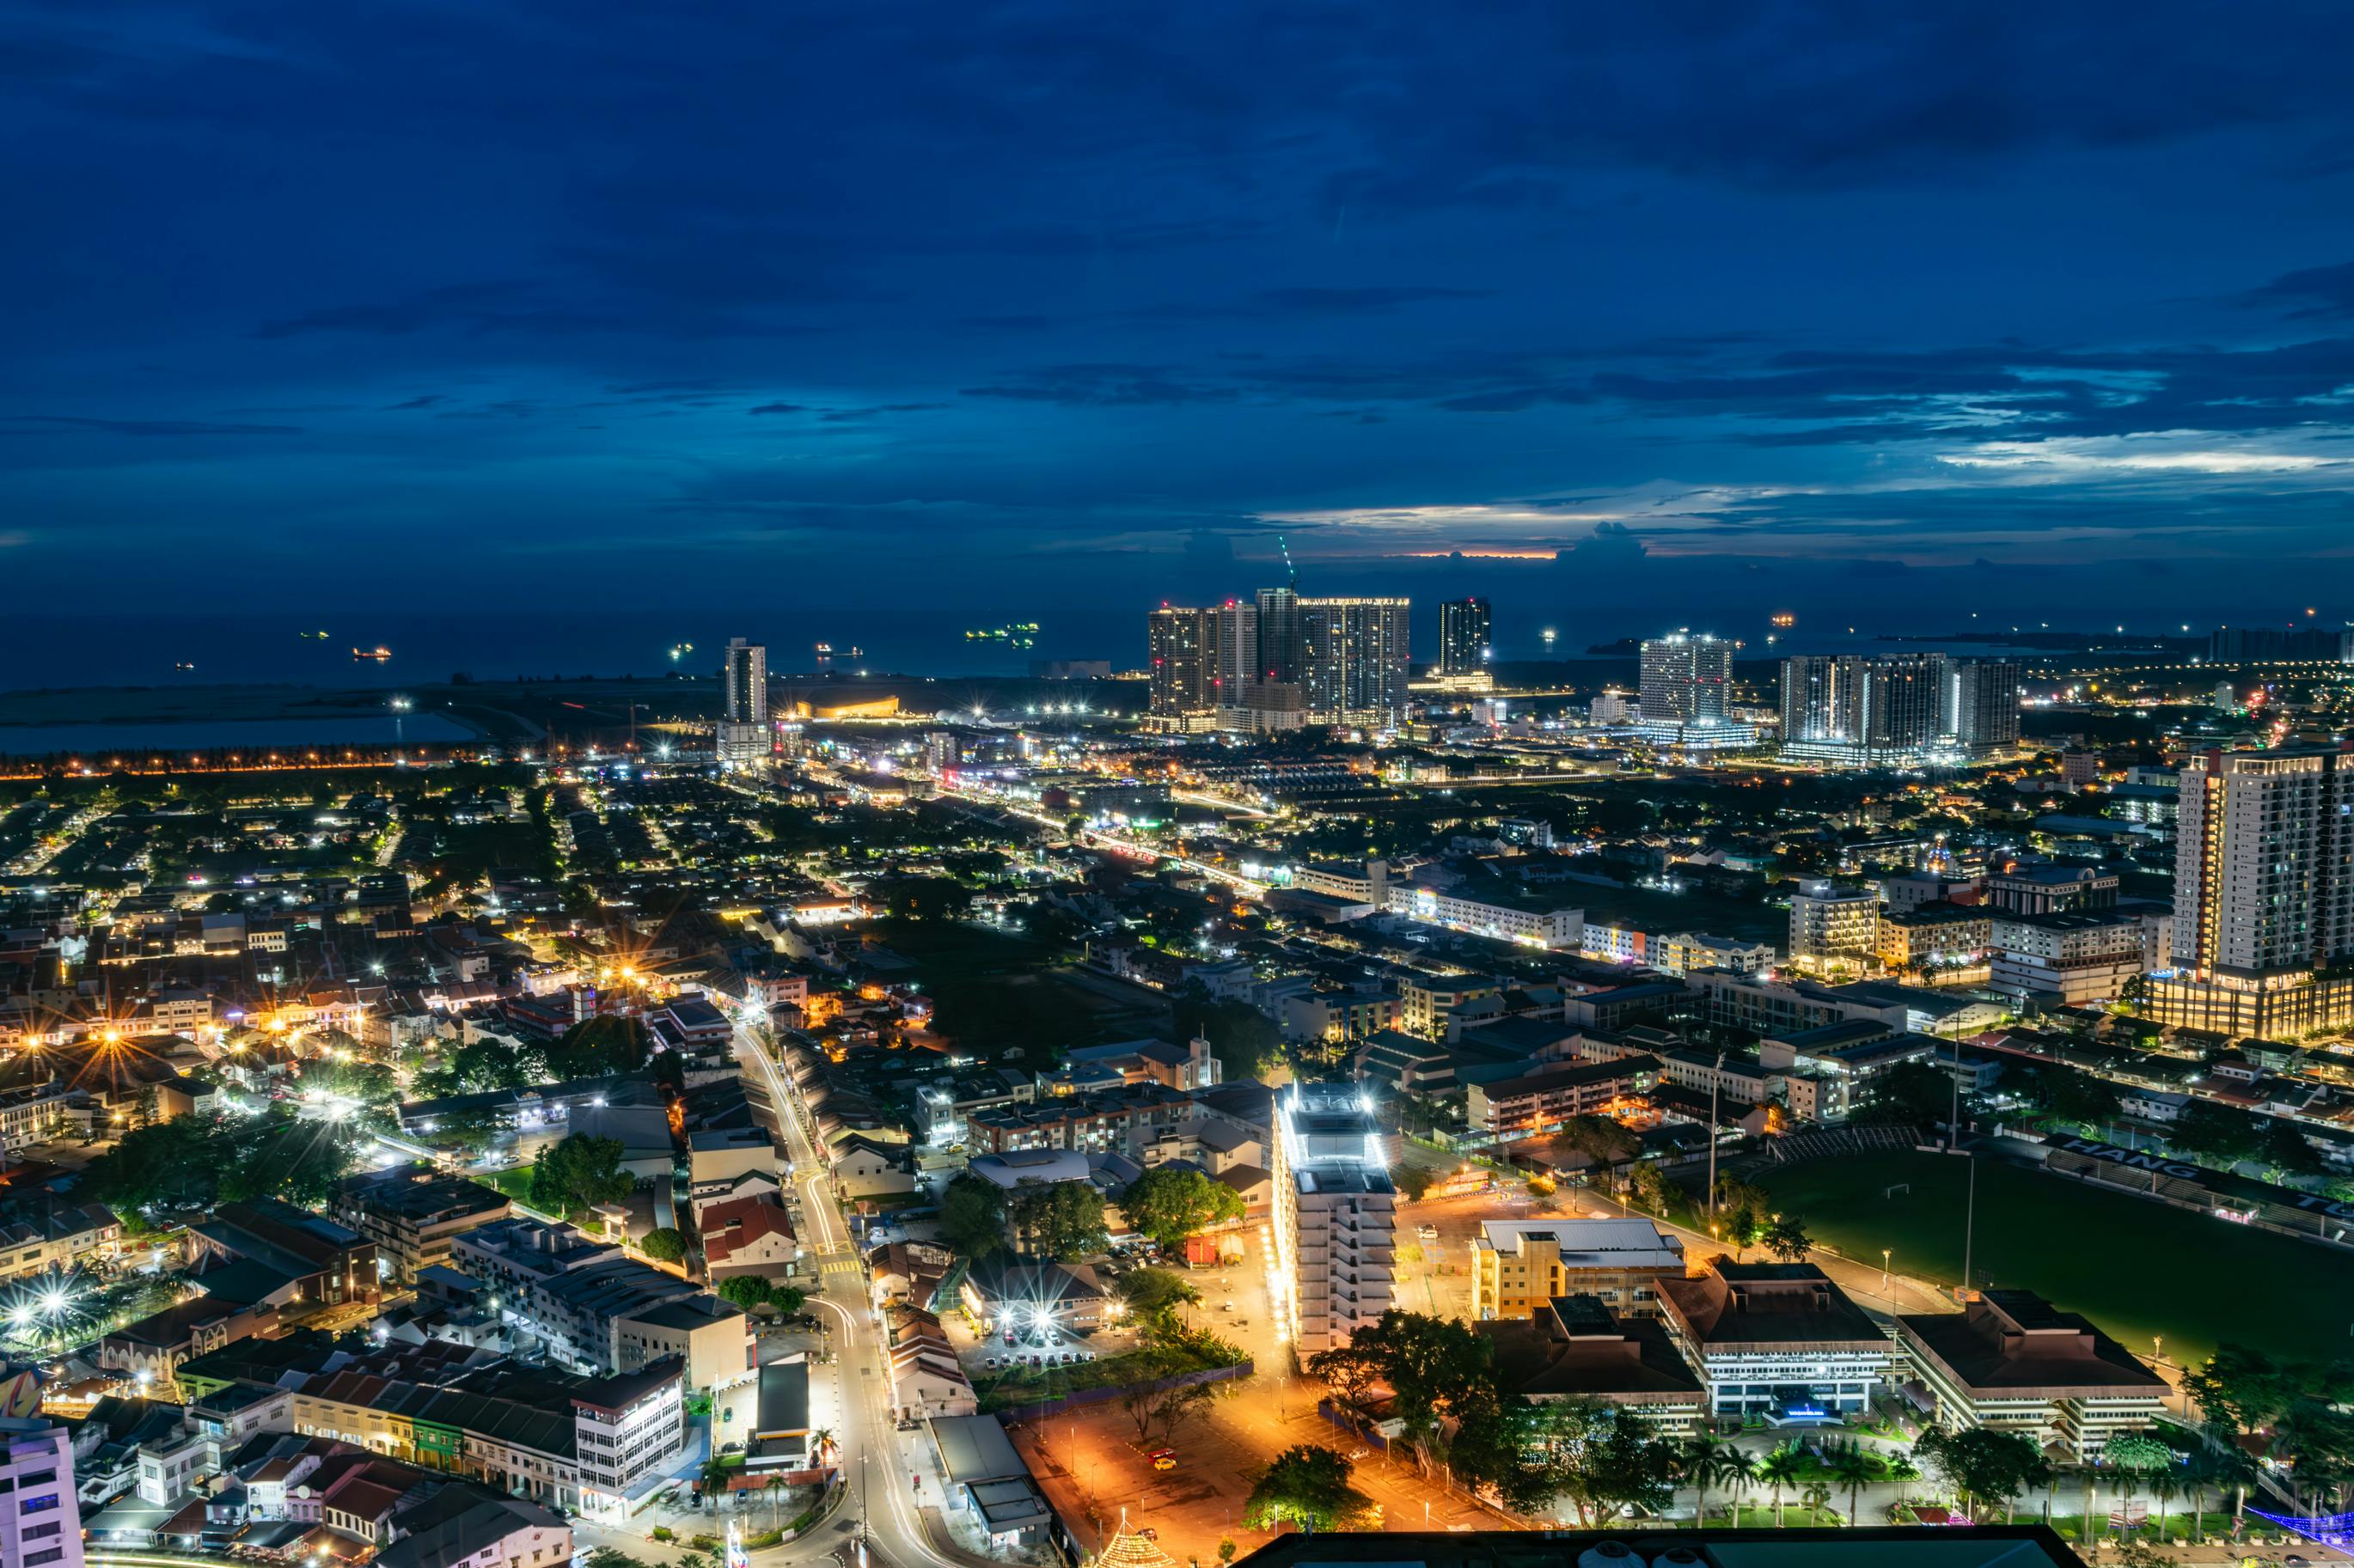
(1715, 1082)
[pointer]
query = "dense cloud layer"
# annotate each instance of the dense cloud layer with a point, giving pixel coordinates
(1047, 299)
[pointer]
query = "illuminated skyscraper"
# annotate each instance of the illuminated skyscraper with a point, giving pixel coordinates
(1982, 704)
(1181, 644)
(746, 681)
(2264, 894)
(1279, 635)
(1683, 679)
(1809, 708)
(1353, 657)
(1465, 636)
(1335, 1215)
(1233, 653)
(743, 735)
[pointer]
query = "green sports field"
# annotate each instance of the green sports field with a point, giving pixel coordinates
(2132, 1267)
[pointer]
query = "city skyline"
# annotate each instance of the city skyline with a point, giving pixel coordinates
(2068, 336)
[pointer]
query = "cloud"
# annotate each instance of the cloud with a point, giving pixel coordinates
(147, 427)
(2318, 292)
(425, 401)
(476, 307)
(2139, 454)
(780, 408)
(1104, 386)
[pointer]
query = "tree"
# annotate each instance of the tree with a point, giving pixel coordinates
(1061, 1219)
(1170, 1202)
(1159, 1410)
(1152, 1296)
(1244, 1039)
(2284, 1151)
(1350, 1371)
(1779, 1470)
(1705, 1462)
(1308, 1485)
(1227, 1548)
(748, 1291)
(1412, 1182)
(664, 1243)
(1603, 1140)
(972, 1216)
(1742, 1226)
(2223, 1135)
(2071, 1096)
(1851, 1468)
(1786, 1239)
(598, 1047)
(1910, 1092)
(2241, 1389)
(1984, 1464)
(1602, 1459)
(1430, 1364)
(1649, 1187)
(579, 1172)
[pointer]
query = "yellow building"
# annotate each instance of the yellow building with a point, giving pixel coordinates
(1520, 1266)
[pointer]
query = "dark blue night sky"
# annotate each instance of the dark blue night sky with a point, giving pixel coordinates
(1880, 314)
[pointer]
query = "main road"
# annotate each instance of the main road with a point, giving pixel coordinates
(878, 1461)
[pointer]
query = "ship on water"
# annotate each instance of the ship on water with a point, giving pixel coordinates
(376, 654)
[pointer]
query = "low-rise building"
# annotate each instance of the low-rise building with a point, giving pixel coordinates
(2070, 958)
(1777, 1340)
(711, 1338)
(1535, 1101)
(1574, 1347)
(1521, 1267)
(411, 1213)
(749, 1236)
(2012, 1362)
(1685, 951)
(39, 1234)
(41, 1523)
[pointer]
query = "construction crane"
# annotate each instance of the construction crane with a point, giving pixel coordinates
(1290, 571)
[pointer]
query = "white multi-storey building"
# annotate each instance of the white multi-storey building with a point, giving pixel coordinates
(2079, 957)
(1335, 1215)
(40, 1516)
(1683, 679)
(1777, 1340)
(2264, 894)
(1544, 928)
(1833, 925)
(2010, 1361)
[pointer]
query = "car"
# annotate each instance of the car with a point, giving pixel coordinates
(1010, 1338)
(1165, 1462)
(1226, 1305)
(1149, 1532)
(991, 1361)
(1162, 1453)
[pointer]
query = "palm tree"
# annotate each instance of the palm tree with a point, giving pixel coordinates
(1779, 1470)
(714, 1477)
(819, 1441)
(1817, 1497)
(1852, 1470)
(1699, 1459)
(775, 1487)
(2165, 1486)
(1735, 1471)
(2234, 1471)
